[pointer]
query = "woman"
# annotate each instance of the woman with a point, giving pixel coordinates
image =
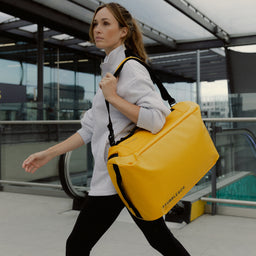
(133, 101)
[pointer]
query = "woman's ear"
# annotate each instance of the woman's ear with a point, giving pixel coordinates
(124, 32)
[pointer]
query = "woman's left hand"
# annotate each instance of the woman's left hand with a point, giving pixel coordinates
(108, 85)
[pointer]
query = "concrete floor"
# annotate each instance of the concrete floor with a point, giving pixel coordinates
(32, 225)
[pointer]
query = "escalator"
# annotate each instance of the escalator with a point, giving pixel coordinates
(75, 172)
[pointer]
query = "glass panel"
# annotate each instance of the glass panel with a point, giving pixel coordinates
(11, 71)
(69, 83)
(243, 104)
(86, 81)
(237, 150)
(77, 78)
(19, 141)
(236, 167)
(18, 79)
(215, 101)
(182, 91)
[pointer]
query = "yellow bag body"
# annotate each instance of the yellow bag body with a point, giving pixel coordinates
(152, 172)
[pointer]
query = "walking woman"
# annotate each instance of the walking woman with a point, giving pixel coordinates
(133, 101)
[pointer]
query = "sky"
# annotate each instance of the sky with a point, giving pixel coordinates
(214, 89)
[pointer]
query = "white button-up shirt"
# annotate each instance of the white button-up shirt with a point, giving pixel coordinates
(134, 85)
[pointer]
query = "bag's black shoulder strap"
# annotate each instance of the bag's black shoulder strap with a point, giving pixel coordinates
(164, 93)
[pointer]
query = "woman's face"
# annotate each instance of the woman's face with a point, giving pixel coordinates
(106, 31)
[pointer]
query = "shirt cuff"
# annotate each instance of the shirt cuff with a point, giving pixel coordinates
(86, 135)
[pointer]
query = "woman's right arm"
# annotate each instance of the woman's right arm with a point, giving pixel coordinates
(37, 160)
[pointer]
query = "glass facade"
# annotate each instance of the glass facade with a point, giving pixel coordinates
(67, 93)
(70, 79)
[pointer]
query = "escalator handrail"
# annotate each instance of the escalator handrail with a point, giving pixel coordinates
(239, 131)
(65, 180)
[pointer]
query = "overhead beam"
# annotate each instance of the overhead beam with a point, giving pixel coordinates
(207, 44)
(243, 40)
(22, 33)
(190, 11)
(37, 13)
(157, 35)
(14, 24)
(186, 46)
(49, 33)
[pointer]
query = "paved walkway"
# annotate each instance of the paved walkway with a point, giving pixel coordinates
(38, 226)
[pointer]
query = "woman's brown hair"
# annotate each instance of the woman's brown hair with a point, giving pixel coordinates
(133, 41)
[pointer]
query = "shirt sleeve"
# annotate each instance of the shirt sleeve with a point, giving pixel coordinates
(142, 92)
(151, 119)
(87, 126)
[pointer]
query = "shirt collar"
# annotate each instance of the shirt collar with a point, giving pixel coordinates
(112, 60)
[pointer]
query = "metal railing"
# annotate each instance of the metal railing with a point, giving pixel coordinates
(211, 124)
(30, 184)
(228, 201)
(44, 122)
(230, 120)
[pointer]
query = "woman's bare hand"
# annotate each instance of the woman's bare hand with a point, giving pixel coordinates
(108, 85)
(35, 161)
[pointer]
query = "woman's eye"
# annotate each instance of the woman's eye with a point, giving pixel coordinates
(106, 23)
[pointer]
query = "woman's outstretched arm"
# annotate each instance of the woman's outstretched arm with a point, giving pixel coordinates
(37, 160)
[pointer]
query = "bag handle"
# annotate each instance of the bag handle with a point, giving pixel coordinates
(164, 93)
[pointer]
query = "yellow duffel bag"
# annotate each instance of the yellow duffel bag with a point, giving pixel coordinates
(152, 172)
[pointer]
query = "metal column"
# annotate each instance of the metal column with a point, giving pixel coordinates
(214, 174)
(198, 78)
(40, 72)
(1, 129)
(58, 84)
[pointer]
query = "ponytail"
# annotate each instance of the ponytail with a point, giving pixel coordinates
(134, 41)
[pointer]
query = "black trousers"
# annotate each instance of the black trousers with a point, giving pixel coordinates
(99, 213)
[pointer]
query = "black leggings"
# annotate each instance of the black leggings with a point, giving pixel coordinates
(98, 214)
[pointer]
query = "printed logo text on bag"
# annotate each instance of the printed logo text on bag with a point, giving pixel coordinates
(174, 196)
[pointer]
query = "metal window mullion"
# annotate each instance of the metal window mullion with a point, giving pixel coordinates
(40, 70)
